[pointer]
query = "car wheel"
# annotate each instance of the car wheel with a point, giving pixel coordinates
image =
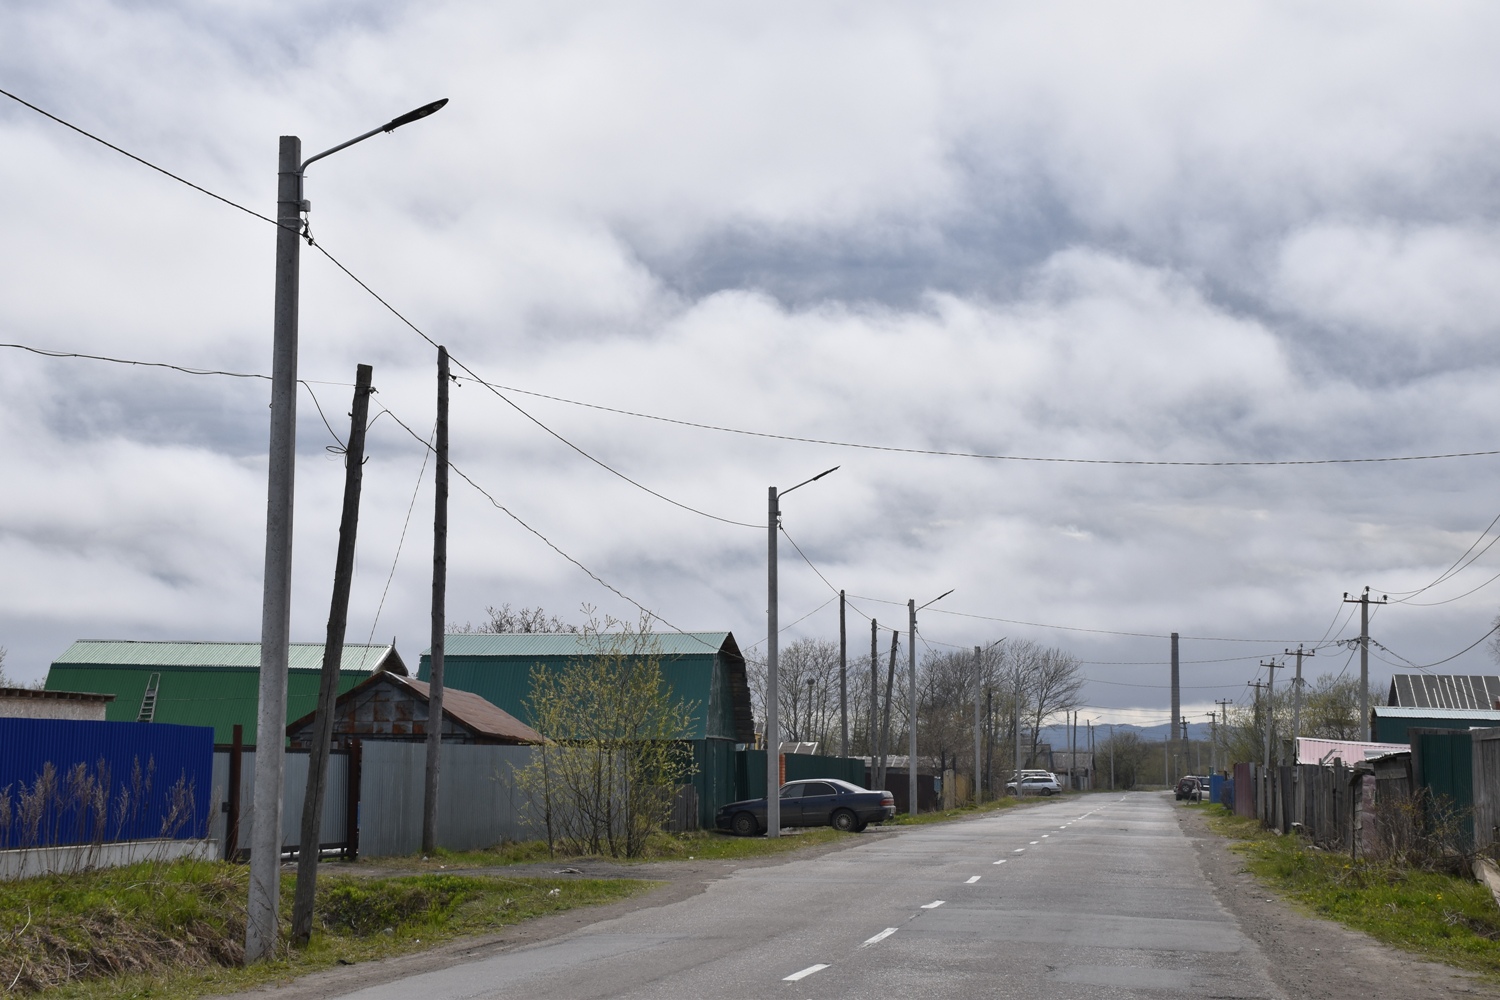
(846, 821)
(745, 825)
(861, 828)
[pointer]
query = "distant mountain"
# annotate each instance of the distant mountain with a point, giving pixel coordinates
(1058, 735)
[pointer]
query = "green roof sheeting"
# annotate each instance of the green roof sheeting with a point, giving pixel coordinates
(704, 668)
(203, 683)
(300, 655)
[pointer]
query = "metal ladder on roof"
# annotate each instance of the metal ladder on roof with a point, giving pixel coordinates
(148, 700)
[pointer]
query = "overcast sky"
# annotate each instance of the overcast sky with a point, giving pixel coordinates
(1125, 232)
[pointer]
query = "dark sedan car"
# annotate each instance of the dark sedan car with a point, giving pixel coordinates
(818, 802)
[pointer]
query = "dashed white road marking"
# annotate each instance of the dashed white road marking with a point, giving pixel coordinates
(805, 972)
(934, 904)
(1035, 842)
(1046, 835)
(1001, 861)
(879, 937)
(972, 880)
(1019, 850)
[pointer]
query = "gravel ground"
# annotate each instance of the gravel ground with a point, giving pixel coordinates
(1312, 958)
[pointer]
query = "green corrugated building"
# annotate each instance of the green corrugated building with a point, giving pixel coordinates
(704, 668)
(203, 683)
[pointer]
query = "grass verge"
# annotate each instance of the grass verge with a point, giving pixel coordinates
(176, 930)
(701, 845)
(1438, 916)
(942, 815)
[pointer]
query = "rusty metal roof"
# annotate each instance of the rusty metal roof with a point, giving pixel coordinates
(462, 707)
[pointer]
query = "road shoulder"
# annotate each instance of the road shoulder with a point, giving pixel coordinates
(678, 880)
(1311, 958)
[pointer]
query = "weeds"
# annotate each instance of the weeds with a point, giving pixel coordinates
(177, 929)
(1425, 910)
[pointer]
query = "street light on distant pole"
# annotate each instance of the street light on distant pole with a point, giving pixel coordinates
(773, 736)
(276, 609)
(911, 701)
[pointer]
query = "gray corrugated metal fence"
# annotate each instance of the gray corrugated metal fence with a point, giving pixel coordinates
(333, 830)
(479, 804)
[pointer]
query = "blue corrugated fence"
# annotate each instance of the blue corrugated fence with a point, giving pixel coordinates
(75, 782)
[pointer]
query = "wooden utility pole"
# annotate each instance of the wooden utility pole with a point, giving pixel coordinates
(1364, 602)
(885, 726)
(843, 682)
(439, 614)
(978, 731)
(333, 655)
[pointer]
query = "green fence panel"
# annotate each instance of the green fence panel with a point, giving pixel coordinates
(1447, 765)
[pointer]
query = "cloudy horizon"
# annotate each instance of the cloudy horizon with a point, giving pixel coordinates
(1149, 235)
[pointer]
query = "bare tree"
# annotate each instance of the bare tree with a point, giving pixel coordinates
(1051, 682)
(506, 620)
(808, 712)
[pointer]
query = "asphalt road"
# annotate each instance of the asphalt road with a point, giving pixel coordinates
(1096, 896)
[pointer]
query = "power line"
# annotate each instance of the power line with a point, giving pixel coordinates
(991, 457)
(307, 233)
(1461, 652)
(1163, 687)
(400, 542)
(547, 541)
(1226, 463)
(511, 403)
(1451, 570)
(141, 160)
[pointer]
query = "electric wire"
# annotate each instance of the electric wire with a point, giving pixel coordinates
(1454, 568)
(401, 541)
(511, 403)
(392, 309)
(547, 541)
(730, 430)
(141, 160)
(995, 457)
(1435, 663)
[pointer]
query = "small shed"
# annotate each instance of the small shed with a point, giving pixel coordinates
(385, 706)
(203, 683)
(32, 703)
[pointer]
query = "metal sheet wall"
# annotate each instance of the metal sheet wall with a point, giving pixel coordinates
(333, 828)
(479, 804)
(109, 755)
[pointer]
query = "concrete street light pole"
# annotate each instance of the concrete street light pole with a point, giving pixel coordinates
(773, 662)
(911, 699)
(276, 606)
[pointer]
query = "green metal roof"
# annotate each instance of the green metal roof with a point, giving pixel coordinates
(301, 655)
(205, 683)
(576, 644)
(704, 668)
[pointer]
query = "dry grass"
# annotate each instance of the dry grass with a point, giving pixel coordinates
(177, 929)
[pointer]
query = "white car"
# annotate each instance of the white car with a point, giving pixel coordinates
(1035, 784)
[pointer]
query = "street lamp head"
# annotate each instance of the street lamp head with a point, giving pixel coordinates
(806, 481)
(411, 116)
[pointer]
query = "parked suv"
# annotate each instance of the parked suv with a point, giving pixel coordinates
(1190, 786)
(1035, 784)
